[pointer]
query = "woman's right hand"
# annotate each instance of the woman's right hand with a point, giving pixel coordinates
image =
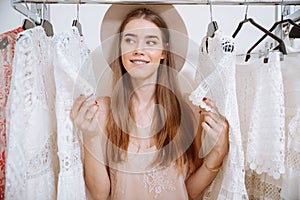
(88, 116)
(84, 114)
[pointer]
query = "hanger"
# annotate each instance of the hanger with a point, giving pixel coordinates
(294, 34)
(295, 31)
(282, 21)
(280, 41)
(212, 26)
(28, 23)
(45, 23)
(76, 22)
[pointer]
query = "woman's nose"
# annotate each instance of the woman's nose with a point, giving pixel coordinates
(138, 51)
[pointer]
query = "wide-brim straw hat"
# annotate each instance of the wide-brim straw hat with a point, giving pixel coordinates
(116, 13)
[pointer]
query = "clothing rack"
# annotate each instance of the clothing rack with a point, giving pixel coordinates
(205, 2)
(18, 4)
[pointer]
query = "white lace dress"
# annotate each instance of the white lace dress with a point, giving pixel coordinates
(7, 48)
(216, 78)
(73, 76)
(262, 116)
(290, 67)
(31, 165)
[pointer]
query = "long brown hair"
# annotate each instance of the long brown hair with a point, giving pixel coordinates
(175, 140)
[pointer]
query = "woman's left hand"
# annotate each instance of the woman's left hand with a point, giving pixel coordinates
(216, 127)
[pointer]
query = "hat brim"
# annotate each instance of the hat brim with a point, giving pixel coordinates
(116, 14)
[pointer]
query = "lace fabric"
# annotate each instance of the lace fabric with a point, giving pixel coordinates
(72, 76)
(7, 49)
(262, 186)
(163, 183)
(31, 165)
(217, 68)
(263, 117)
(291, 179)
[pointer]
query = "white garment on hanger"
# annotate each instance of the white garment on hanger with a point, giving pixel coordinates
(290, 67)
(291, 179)
(262, 115)
(216, 78)
(31, 168)
(73, 76)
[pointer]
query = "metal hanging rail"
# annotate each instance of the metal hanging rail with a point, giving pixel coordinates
(186, 2)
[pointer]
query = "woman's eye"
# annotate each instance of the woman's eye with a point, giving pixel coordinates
(151, 42)
(129, 40)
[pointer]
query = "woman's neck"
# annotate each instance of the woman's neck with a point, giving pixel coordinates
(144, 96)
(143, 102)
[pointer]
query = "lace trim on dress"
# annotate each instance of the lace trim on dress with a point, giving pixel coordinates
(262, 186)
(158, 181)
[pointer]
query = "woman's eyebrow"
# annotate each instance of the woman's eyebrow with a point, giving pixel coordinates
(130, 35)
(152, 36)
(147, 36)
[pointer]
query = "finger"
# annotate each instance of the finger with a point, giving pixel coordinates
(211, 103)
(201, 109)
(212, 135)
(81, 115)
(214, 120)
(76, 105)
(91, 111)
(209, 120)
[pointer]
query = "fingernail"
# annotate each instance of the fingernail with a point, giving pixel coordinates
(204, 99)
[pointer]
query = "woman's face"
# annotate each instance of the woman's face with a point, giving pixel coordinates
(141, 48)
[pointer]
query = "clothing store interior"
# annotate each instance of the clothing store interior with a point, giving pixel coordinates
(247, 52)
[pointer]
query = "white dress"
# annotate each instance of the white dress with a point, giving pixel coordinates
(290, 67)
(216, 78)
(73, 76)
(31, 165)
(7, 48)
(262, 115)
(132, 180)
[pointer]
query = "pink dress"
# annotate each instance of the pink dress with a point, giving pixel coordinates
(132, 180)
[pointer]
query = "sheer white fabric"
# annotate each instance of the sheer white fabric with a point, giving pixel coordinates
(129, 184)
(73, 73)
(291, 179)
(31, 167)
(262, 115)
(216, 78)
(291, 71)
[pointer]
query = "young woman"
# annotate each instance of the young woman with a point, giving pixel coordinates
(149, 137)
